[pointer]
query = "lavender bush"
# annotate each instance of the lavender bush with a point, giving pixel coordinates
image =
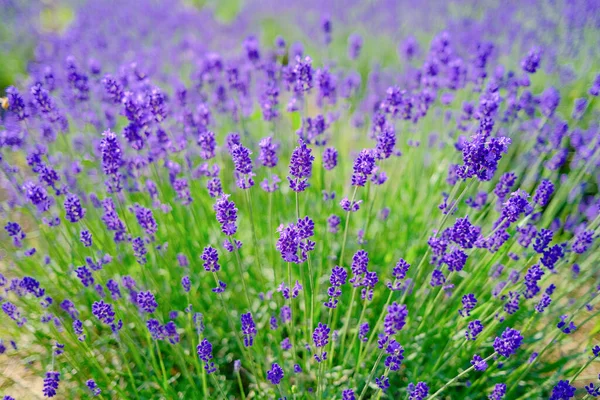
(197, 207)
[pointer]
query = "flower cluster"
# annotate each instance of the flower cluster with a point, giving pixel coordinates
(131, 140)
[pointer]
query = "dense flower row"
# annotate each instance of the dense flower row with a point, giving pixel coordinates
(418, 234)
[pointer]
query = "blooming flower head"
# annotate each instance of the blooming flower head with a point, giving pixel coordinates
(479, 363)
(147, 302)
(204, 350)
(94, 389)
(275, 374)
(321, 335)
(562, 391)
(74, 211)
(420, 391)
(543, 192)
(268, 152)
(300, 167)
(226, 215)
(508, 343)
(364, 166)
(51, 383)
(330, 158)
(474, 329)
(210, 257)
(395, 318)
(248, 329)
(498, 392)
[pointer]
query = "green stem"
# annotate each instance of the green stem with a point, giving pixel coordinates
(240, 270)
(466, 371)
(371, 374)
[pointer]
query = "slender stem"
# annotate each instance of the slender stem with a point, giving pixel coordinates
(162, 365)
(240, 270)
(360, 320)
(371, 374)
(466, 371)
(254, 237)
(241, 386)
(271, 232)
(218, 385)
(380, 391)
(154, 363)
(280, 392)
(582, 369)
(341, 259)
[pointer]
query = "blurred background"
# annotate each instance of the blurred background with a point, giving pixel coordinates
(388, 28)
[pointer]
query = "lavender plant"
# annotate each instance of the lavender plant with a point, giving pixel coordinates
(435, 236)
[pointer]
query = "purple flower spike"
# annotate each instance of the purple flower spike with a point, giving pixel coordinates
(275, 374)
(300, 167)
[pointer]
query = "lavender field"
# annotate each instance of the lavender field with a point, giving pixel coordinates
(268, 199)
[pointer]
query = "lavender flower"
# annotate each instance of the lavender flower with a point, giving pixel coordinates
(91, 384)
(420, 391)
(268, 152)
(243, 166)
(300, 167)
(543, 192)
(563, 391)
(226, 215)
(146, 219)
(146, 302)
(85, 237)
(508, 343)
(248, 329)
(275, 374)
(355, 43)
(498, 392)
(583, 240)
(330, 158)
(479, 363)
(468, 301)
(14, 230)
(364, 166)
(73, 210)
(51, 383)
(204, 350)
(395, 318)
(474, 329)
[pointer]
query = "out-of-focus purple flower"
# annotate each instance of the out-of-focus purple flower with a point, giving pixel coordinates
(94, 389)
(14, 230)
(146, 302)
(549, 101)
(355, 43)
(268, 152)
(420, 391)
(583, 240)
(330, 158)
(543, 192)
(333, 223)
(498, 392)
(531, 62)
